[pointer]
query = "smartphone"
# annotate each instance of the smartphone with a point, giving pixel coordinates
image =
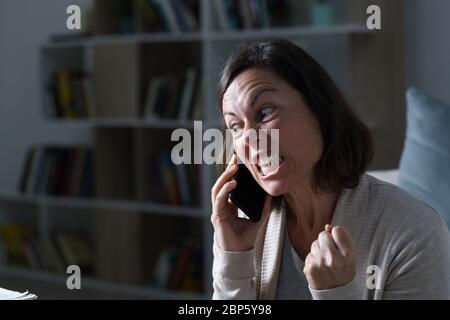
(248, 194)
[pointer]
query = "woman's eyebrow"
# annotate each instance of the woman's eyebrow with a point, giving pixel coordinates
(255, 98)
(253, 101)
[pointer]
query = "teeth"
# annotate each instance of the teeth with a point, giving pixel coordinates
(270, 163)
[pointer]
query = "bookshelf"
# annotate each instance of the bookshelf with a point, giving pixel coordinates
(129, 226)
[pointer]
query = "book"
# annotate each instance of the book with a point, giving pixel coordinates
(246, 14)
(79, 100)
(69, 171)
(29, 243)
(75, 183)
(221, 13)
(157, 193)
(40, 173)
(161, 97)
(162, 24)
(180, 268)
(59, 171)
(50, 256)
(150, 100)
(12, 235)
(87, 177)
(148, 14)
(42, 184)
(31, 177)
(234, 21)
(89, 96)
(64, 93)
(191, 11)
(51, 252)
(187, 95)
(193, 277)
(265, 16)
(76, 249)
(196, 105)
(172, 96)
(164, 264)
(169, 15)
(279, 11)
(26, 170)
(179, 11)
(70, 94)
(169, 179)
(183, 184)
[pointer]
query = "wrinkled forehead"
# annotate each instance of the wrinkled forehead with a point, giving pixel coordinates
(247, 85)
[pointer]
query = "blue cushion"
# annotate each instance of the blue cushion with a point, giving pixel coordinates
(425, 162)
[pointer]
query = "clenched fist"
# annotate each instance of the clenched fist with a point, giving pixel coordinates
(331, 262)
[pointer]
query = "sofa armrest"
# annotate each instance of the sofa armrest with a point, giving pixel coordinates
(390, 176)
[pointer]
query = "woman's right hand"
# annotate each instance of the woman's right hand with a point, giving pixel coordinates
(232, 233)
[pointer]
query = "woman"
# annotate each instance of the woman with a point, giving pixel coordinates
(328, 230)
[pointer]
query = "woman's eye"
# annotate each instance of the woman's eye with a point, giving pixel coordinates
(265, 112)
(235, 127)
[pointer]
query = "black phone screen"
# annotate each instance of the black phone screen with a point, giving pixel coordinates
(248, 194)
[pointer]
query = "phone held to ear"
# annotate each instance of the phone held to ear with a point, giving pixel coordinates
(248, 194)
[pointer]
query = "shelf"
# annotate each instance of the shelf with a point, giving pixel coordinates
(306, 31)
(105, 204)
(150, 123)
(157, 37)
(161, 37)
(142, 123)
(99, 285)
(133, 123)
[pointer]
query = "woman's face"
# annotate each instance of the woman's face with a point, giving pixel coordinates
(259, 99)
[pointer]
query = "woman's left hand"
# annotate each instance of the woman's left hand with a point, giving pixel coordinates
(331, 262)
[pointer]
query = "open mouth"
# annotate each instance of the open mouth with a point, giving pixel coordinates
(269, 165)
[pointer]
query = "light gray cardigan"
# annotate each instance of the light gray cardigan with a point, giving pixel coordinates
(390, 229)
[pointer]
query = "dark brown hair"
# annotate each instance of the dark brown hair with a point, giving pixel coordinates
(347, 143)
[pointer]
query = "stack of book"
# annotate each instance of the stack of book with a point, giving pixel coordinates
(63, 171)
(249, 14)
(53, 252)
(70, 95)
(179, 268)
(174, 97)
(170, 15)
(172, 184)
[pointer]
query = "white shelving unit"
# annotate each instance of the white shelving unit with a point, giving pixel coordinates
(215, 47)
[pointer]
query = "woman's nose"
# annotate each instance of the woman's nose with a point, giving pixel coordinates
(250, 140)
(250, 136)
